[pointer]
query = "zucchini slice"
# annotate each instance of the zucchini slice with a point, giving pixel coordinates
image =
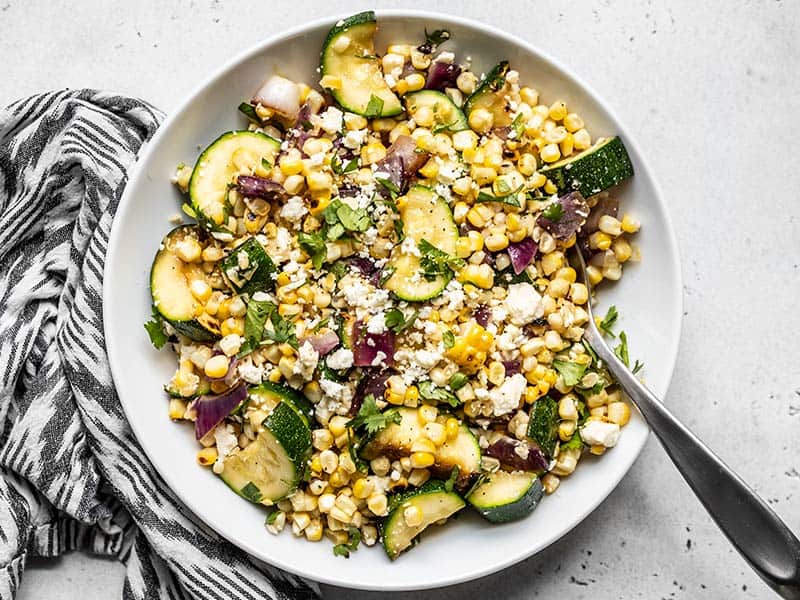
(505, 496)
(594, 170)
(170, 279)
(395, 441)
(249, 269)
(348, 58)
(270, 394)
(426, 216)
(216, 170)
(446, 115)
(272, 465)
(543, 424)
(491, 95)
(432, 500)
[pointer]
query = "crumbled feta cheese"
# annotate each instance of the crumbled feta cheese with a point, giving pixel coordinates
(427, 358)
(511, 338)
(506, 396)
(336, 399)
(377, 323)
(331, 120)
(225, 441)
(341, 359)
(307, 359)
(523, 303)
(293, 210)
(600, 433)
(409, 246)
(354, 139)
(445, 57)
(455, 296)
(263, 297)
(379, 359)
(230, 344)
(250, 372)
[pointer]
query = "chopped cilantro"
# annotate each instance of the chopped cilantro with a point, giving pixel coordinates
(457, 381)
(518, 126)
(251, 492)
(397, 321)
(339, 269)
(314, 245)
(435, 263)
(637, 366)
(553, 212)
(389, 186)
(341, 169)
(249, 111)
(351, 545)
(432, 40)
(282, 330)
(510, 198)
(622, 349)
(609, 320)
(451, 480)
(266, 164)
(574, 443)
(258, 311)
(371, 419)
(570, 371)
(443, 127)
(374, 107)
(429, 391)
(272, 516)
(155, 329)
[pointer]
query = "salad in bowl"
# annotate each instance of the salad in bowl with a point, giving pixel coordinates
(372, 312)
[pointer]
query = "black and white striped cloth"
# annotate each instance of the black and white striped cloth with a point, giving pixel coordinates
(72, 475)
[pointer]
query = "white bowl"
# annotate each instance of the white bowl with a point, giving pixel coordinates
(648, 297)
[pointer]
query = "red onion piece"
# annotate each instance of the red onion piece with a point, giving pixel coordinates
(366, 346)
(373, 382)
(323, 342)
(482, 315)
(253, 186)
(575, 211)
(281, 95)
(402, 161)
(442, 75)
(517, 454)
(211, 410)
(521, 254)
(512, 367)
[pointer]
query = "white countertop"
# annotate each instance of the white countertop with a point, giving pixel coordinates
(710, 91)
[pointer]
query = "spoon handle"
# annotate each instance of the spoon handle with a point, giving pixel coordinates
(752, 527)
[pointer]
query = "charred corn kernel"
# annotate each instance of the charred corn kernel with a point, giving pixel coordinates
(373, 152)
(422, 460)
(578, 293)
(177, 408)
(380, 466)
(582, 139)
(346, 504)
(200, 290)
(322, 439)
(411, 394)
(393, 397)
(610, 225)
(465, 140)
(481, 120)
(422, 445)
(291, 163)
(629, 224)
(550, 153)
(420, 60)
(482, 175)
(207, 456)
(622, 249)
(329, 461)
(339, 478)
(363, 488)
(599, 241)
(436, 432)
(475, 241)
(289, 310)
(550, 483)
(481, 276)
(496, 243)
(427, 413)
(415, 82)
(306, 294)
(378, 504)
(451, 427)
(558, 110)
(566, 429)
(594, 274)
(313, 531)
(412, 515)
(337, 425)
(573, 122)
(319, 181)
(496, 372)
(216, 367)
(463, 247)
(188, 250)
(430, 169)
(467, 82)
(619, 413)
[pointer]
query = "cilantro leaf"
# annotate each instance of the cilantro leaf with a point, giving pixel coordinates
(429, 391)
(397, 321)
(570, 371)
(314, 245)
(622, 349)
(389, 186)
(371, 419)
(341, 169)
(518, 126)
(451, 480)
(443, 127)
(435, 263)
(353, 220)
(574, 443)
(258, 311)
(282, 330)
(249, 111)
(510, 198)
(609, 320)
(374, 107)
(155, 329)
(637, 366)
(432, 40)
(350, 546)
(339, 269)
(251, 492)
(553, 212)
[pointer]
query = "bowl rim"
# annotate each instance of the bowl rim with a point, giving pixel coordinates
(565, 71)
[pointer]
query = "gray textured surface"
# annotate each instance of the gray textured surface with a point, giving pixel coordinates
(709, 90)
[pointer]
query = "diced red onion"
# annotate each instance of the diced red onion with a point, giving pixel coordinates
(323, 342)
(518, 454)
(521, 254)
(512, 367)
(211, 410)
(575, 211)
(402, 161)
(442, 75)
(482, 315)
(373, 382)
(253, 186)
(366, 346)
(281, 95)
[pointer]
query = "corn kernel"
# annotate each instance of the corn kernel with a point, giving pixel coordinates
(291, 163)
(619, 413)
(337, 425)
(463, 247)
(594, 274)
(427, 413)
(378, 504)
(599, 241)
(430, 169)
(467, 82)
(452, 428)
(496, 243)
(532, 394)
(207, 456)
(423, 445)
(188, 250)
(567, 145)
(629, 224)
(216, 367)
(422, 460)
(550, 153)
(436, 432)
(558, 111)
(550, 483)
(415, 82)
(481, 120)
(200, 290)
(578, 293)
(393, 397)
(363, 488)
(411, 394)
(480, 275)
(319, 181)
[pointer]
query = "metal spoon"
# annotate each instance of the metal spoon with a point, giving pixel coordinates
(753, 528)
